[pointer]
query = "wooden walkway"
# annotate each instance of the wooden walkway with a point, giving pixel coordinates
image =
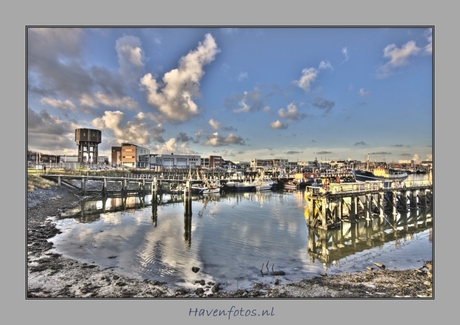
(106, 185)
(326, 209)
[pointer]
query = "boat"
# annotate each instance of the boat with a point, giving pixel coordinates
(237, 183)
(378, 174)
(290, 185)
(209, 190)
(206, 188)
(265, 184)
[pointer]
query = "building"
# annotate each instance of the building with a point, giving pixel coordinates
(130, 155)
(87, 141)
(216, 161)
(36, 158)
(175, 161)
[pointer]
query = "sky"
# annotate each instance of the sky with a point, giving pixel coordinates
(297, 93)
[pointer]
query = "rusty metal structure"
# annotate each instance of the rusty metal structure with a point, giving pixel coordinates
(87, 141)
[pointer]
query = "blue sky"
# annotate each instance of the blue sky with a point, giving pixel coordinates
(297, 93)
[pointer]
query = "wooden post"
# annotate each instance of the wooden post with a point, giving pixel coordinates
(104, 186)
(394, 197)
(323, 213)
(368, 206)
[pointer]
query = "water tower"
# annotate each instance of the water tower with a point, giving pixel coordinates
(87, 141)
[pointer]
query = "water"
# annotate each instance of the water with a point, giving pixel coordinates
(232, 237)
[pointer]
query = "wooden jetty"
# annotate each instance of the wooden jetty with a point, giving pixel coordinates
(118, 185)
(329, 245)
(326, 209)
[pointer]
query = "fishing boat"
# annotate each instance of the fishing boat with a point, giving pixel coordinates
(265, 184)
(209, 190)
(237, 183)
(207, 187)
(378, 174)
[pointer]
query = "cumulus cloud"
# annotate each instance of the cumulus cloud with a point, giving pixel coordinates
(157, 130)
(130, 57)
(218, 126)
(173, 146)
(54, 63)
(56, 70)
(214, 124)
(45, 130)
(216, 140)
(308, 76)
(291, 113)
(174, 96)
(278, 125)
(398, 57)
(135, 131)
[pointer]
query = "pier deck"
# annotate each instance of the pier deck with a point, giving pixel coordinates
(352, 201)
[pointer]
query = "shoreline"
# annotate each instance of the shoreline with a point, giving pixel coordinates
(52, 275)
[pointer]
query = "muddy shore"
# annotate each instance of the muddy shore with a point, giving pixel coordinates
(51, 275)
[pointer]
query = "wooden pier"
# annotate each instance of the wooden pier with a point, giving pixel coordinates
(326, 209)
(118, 185)
(333, 245)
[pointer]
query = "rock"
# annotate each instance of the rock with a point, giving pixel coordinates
(195, 269)
(216, 287)
(379, 265)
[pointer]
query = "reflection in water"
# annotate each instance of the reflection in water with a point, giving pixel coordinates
(228, 236)
(330, 246)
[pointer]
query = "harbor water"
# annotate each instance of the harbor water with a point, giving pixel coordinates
(237, 239)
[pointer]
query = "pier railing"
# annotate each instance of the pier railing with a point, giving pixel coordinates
(327, 206)
(353, 188)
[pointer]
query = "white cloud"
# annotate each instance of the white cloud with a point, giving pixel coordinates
(244, 108)
(216, 140)
(172, 146)
(308, 76)
(278, 125)
(214, 124)
(174, 96)
(135, 131)
(290, 114)
(67, 104)
(398, 57)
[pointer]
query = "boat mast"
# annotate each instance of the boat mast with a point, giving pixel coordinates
(367, 161)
